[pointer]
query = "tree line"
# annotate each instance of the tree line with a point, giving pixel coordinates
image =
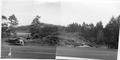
(8, 26)
(98, 34)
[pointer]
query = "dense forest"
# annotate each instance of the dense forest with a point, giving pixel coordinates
(51, 34)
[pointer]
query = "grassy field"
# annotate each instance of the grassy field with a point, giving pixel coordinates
(82, 52)
(36, 51)
(29, 51)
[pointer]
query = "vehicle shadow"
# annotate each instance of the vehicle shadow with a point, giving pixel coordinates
(11, 43)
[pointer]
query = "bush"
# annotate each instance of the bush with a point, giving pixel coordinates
(51, 40)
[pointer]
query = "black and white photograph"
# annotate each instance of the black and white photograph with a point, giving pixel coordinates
(60, 29)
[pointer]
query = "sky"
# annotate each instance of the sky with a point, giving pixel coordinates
(62, 12)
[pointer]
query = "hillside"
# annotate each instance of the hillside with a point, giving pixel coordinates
(23, 29)
(26, 28)
(66, 38)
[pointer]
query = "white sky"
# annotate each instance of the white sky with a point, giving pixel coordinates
(62, 12)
